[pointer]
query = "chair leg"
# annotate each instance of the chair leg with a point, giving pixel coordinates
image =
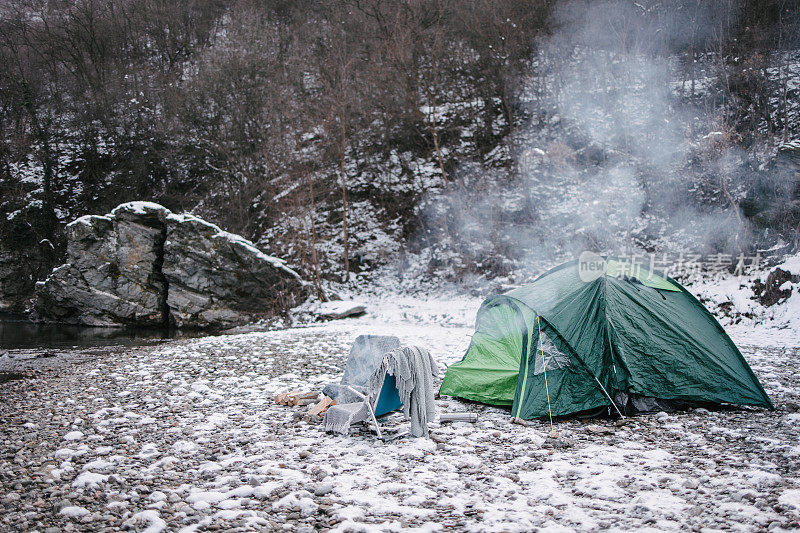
(371, 411)
(377, 427)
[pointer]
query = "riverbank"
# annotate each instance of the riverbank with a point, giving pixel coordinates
(184, 434)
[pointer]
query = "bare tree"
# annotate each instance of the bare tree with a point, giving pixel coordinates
(338, 108)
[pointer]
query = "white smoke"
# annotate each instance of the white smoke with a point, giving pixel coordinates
(618, 157)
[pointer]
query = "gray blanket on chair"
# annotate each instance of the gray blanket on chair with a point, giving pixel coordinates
(338, 418)
(365, 357)
(414, 370)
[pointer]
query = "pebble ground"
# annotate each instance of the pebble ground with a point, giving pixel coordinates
(184, 435)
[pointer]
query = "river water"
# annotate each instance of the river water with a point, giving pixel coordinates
(30, 346)
(17, 333)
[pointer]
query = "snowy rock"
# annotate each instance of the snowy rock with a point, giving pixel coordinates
(142, 265)
(111, 274)
(89, 480)
(339, 309)
(296, 501)
(152, 519)
(74, 435)
(776, 288)
(217, 279)
(157, 496)
(73, 511)
(323, 489)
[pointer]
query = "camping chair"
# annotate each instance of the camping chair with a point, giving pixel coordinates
(382, 400)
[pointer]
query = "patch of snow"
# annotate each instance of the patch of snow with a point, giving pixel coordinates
(99, 465)
(89, 480)
(140, 208)
(790, 497)
(748, 322)
(151, 517)
(184, 446)
(148, 451)
(351, 512)
(64, 453)
(791, 265)
(73, 511)
(297, 501)
(88, 220)
(74, 435)
(265, 490)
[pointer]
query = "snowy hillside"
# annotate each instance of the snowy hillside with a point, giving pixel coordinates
(492, 140)
(739, 303)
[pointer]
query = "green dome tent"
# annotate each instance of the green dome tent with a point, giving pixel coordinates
(627, 339)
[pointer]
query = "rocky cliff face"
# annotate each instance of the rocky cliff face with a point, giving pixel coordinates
(16, 281)
(142, 265)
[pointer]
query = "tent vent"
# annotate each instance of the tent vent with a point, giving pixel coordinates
(548, 357)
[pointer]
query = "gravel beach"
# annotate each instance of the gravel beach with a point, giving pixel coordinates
(184, 435)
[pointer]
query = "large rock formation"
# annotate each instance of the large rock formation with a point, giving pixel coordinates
(142, 265)
(218, 277)
(111, 276)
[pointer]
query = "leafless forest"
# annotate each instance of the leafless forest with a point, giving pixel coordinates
(347, 134)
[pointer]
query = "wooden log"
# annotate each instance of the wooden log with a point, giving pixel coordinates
(305, 401)
(297, 398)
(280, 398)
(283, 398)
(321, 406)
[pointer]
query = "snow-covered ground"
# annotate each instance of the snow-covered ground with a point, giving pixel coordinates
(185, 436)
(731, 298)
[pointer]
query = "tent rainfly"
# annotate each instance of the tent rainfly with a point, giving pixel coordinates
(632, 341)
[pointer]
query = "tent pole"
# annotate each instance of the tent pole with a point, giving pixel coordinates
(608, 396)
(544, 366)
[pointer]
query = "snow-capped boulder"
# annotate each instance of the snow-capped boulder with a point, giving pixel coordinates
(216, 278)
(111, 276)
(142, 265)
(337, 309)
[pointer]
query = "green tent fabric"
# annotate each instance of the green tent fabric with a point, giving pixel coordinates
(586, 343)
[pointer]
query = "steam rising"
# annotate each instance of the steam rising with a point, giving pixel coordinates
(616, 158)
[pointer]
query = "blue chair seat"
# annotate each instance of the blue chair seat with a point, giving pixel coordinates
(389, 397)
